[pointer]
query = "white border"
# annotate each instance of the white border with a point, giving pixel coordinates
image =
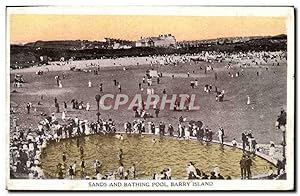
(243, 185)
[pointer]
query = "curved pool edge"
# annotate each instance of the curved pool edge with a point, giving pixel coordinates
(239, 146)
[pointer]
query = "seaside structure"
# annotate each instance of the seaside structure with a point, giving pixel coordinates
(165, 41)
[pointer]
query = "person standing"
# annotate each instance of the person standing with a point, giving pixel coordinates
(89, 84)
(87, 107)
(81, 150)
(180, 119)
(57, 80)
(65, 104)
(216, 169)
(101, 87)
(119, 87)
(76, 121)
(82, 165)
(57, 107)
(126, 175)
(210, 134)
(152, 128)
(28, 108)
(148, 91)
(196, 83)
(248, 100)
(73, 103)
(97, 166)
(60, 172)
(248, 165)
(192, 83)
(161, 129)
(60, 84)
(234, 143)
(152, 91)
(132, 171)
(223, 134)
(121, 171)
(220, 135)
(171, 130)
(64, 158)
(156, 112)
(74, 167)
(168, 174)
(63, 115)
(243, 167)
(120, 155)
(244, 140)
(71, 172)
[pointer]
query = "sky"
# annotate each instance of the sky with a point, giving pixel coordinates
(33, 27)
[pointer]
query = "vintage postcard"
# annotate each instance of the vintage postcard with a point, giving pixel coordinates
(150, 98)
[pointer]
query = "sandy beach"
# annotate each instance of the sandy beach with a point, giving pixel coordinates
(84, 64)
(234, 59)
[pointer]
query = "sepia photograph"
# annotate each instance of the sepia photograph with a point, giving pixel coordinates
(150, 98)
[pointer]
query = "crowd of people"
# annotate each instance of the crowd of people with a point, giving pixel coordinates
(26, 145)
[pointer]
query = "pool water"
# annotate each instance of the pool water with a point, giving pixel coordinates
(149, 156)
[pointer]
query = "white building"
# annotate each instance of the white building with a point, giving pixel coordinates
(165, 41)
